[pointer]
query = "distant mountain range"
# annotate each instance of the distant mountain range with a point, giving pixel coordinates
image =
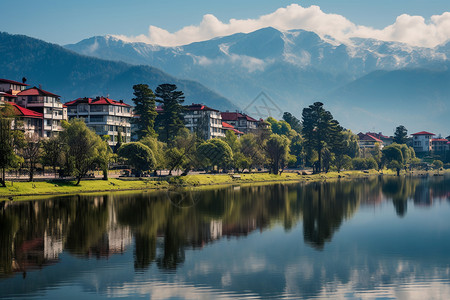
(368, 84)
(72, 75)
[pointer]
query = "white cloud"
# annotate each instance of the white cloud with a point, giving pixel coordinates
(414, 30)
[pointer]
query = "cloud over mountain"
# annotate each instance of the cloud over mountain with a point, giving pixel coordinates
(414, 30)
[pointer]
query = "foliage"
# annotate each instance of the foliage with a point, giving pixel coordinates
(396, 156)
(215, 152)
(342, 162)
(170, 121)
(437, 164)
(400, 135)
(277, 151)
(279, 127)
(138, 155)
(145, 110)
(364, 163)
(52, 152)
(82, 146)
(252, 150)
(158, 149)
(320, 130)
(31, 152)
(293, 122)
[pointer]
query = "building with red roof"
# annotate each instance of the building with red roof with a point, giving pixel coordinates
(440, 145)
(11, 87)
(227, 126)
(368, 141)
(204, 120)
(240, 121)
(46, 103)
(422, 141)
(103, 115)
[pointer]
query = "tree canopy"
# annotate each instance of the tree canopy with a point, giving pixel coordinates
(170, 120)
(401, 135)
(138, 155)
(145, 110)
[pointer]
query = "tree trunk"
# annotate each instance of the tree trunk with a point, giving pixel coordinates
(78, 180)
(105, 174)
(3, 180)
(398, 172)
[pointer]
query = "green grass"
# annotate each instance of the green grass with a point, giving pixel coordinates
(69, 187)
(203, 180)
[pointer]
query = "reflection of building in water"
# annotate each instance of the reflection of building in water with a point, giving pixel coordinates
(115, 239)
(423, 196)
(239, 229)
(53, 246)
(207, 233)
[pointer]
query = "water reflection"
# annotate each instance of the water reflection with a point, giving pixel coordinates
(34, 235)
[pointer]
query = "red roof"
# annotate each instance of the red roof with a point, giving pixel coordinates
(12, 82)
(226, 125)
(7, 95)
(96, 101)
(368, 137)
(423, 133)
(34, 91)
(25, 112)
(439, 140)
(234, 116)
(199, 107)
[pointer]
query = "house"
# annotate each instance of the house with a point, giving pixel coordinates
(227, 126)
(103, 115)
(422, 141)
(206, 119)
(11, 87)
(47, 104)
(240, 121)
(368, 141)
(30, 121)
(440, 144)
(387, 140)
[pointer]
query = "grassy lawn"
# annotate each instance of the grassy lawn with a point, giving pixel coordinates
(69, 187)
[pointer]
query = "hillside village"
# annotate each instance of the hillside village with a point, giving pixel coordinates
(42, 113)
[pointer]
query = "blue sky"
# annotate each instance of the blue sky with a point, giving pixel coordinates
(65, 22)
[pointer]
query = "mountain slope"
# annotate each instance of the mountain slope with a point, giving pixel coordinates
(72, 75)
(417, 98)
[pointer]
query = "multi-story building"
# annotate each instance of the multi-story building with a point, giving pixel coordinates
(30, 122)
(203, 118)
(422, 141)
(440, 145)
(368, 141)
(11, 87)
(103, 115)
(240, 121)
(227, 126)
(47, 104)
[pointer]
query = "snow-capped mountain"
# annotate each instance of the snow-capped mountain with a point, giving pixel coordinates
(294, 68)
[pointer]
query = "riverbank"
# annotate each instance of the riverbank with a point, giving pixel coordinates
(30, 189)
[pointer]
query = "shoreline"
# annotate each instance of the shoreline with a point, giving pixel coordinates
(21, 191)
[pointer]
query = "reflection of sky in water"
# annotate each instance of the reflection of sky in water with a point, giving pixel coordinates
(374, 254)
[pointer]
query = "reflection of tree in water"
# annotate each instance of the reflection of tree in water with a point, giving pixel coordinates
(324, 207)
(399, 189)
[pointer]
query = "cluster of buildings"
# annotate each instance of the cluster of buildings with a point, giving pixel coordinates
(422, 142)
(41, 113)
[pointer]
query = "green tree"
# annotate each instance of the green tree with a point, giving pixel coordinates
(82, 148)
(7, 154)
(400, 135)
(393, 158)
(342, 162)
(170, 120)
(31, 152)
(158, 149)
(437, 165)
(215, 152)
(145, 110)
(319, 130)
(104, 157)
(138, 155)
(279, 127)
(293, 122)
(252, 150)
(277, 150)
(52, 151)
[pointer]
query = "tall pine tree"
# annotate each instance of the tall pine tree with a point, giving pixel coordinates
(320, 130)
(171, 119)
(145, 110)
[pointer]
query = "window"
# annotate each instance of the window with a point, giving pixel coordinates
(96, 118)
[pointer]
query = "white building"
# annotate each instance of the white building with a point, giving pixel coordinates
(47, 104)
(240, 122)
(422, 141)
(103, 115)
(198, 115)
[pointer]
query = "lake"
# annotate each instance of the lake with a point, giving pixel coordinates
(377, 238)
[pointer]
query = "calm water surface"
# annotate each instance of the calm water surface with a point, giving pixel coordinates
(382, 238)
